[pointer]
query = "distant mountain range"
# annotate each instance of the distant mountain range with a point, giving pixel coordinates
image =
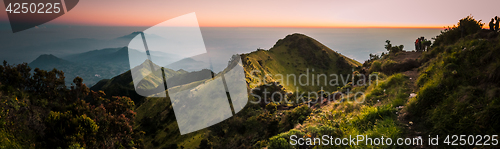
(64, 48)
(188, 64)
(91, 66)
(106, 63)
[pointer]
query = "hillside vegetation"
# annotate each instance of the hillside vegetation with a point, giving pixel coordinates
(296, 54)
(123, 85)
(453, 88)
(38, 111)
(458, 85)
(156, 117)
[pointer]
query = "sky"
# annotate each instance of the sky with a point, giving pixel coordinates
(279, 13)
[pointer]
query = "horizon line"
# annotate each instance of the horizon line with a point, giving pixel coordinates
(258, 26)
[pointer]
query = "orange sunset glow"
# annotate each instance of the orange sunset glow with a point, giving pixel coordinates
(294, 13)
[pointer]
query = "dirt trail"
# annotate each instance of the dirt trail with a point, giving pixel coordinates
(412, 128)
(412, 74)
(402, 56)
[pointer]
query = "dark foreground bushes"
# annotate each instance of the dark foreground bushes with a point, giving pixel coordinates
(37, 110)
(391, 67)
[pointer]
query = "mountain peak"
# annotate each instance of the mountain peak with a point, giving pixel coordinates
(306, 47)
(48, 58)
(295, 37)
(296, 54)
(48, 62)
(301, 42)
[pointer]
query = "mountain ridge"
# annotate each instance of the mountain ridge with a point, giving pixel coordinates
(301, 45)
(92, 66)
(157, 113)
(296, 54)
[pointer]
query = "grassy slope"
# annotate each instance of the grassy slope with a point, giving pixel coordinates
(459, 87)
(123, 85)
(375, 117)
(457, 90)
(294, 55)
(156, 115)
(163, 130)
(457, 93)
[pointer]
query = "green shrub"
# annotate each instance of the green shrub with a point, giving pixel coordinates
(322, 93)
(400, 99)
(375, 67)
(261, 144)
(346, 88)
(396, 79)
(271, 107)
(388, 65)
(393, 49)
(370, 115)
(281, 141)
(390, 88)
(295, 116)
(465, 26)
(277, 142)
(388, 127)
(319, 131)
(431, 53)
